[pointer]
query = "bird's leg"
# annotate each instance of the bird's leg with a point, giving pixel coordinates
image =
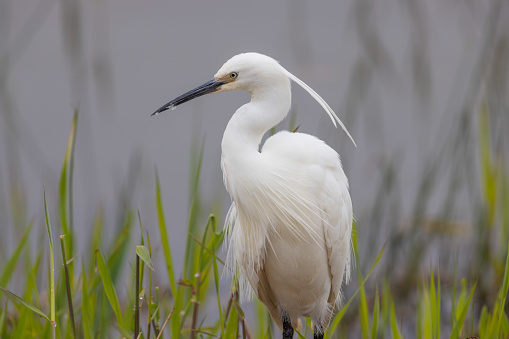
(318, 332)
(287, 328)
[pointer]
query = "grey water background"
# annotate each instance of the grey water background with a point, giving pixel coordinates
(405, 76)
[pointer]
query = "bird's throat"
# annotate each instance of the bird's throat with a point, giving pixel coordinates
(251, 121)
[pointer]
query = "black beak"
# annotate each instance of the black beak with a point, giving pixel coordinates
(208, 87)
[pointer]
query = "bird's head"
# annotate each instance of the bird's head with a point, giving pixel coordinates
(254, 73)
(250, 72)
(247, 71)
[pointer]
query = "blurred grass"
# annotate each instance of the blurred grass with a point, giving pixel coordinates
(409, 289)
(453, 308)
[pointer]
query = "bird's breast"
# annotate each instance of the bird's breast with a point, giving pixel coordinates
(298, 273)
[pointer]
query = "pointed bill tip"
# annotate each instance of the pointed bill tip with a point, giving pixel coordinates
(208, 87)
(162, 109)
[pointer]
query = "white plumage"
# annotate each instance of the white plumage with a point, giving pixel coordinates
(291, 217)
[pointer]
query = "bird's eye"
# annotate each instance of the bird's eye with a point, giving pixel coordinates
(233, 75)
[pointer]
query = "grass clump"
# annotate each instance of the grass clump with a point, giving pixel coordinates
(85, 302)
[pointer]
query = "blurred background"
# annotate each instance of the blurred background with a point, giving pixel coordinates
(421, 85)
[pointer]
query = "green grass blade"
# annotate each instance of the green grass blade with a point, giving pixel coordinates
(175, 322)
(425, 329)
(505, 284)
(164, 238)
(150, 302)
(354, 240)
(363, 313)
(232, 324)
(386, 306)
(109, 289)
(483, 322)
(23, 325)
(218, 296)
(86, 308)
(261, 319)
(342, 312)
(31, 289)
(504, 326)
(300, 335)
(144, 255)
(22, 301)
(27, 318)
(96, 239)
(394, 325)
(142, 243)
(74, 131)
(191, 257)
(438, 296)
(137, 295)
(376, 314)
(503, 291)
(434, 308)
(461, 312)
(65, 193)
(2, 319)
(52, 266)
(9, 267)
(68, 286)
(120, 247)
(157, 315)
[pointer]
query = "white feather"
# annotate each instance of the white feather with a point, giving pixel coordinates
(322, 103)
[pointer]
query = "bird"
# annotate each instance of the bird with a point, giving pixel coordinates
(290, 221)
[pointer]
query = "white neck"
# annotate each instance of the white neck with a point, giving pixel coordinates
(251, 121)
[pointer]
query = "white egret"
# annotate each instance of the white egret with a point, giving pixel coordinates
(291, 216)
